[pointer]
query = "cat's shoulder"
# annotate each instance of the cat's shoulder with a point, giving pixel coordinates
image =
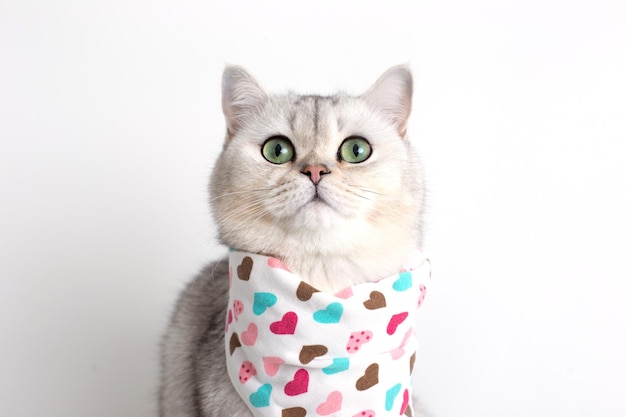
(205, 297)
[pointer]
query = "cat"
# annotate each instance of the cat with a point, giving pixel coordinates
(329, 185)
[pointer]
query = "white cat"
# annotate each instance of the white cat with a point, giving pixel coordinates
(330, 186)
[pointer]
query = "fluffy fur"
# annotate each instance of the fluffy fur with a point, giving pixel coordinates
(360, 223)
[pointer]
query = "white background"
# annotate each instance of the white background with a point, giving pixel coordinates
(110, 121)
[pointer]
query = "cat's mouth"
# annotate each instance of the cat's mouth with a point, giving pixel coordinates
(317, 199)
(318, 204)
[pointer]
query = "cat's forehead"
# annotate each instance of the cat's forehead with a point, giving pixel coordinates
(310, 113)
(316, 119)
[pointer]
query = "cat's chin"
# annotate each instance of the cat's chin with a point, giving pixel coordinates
(317, 214)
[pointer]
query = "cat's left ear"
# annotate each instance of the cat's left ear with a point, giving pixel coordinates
(391, 95)
(241, 96)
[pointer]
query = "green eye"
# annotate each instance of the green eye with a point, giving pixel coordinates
(354, 150)
(278, 150)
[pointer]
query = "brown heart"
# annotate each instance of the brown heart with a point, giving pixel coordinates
(243, 270)
(411, 363)
(234, 343)
(376, 300)
(408, 412)
(305, 291)
(310, 352)
(294, 412)
(369, 379)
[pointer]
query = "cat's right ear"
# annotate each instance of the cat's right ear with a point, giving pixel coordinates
(241, 95)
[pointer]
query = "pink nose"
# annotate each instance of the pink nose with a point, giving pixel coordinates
(315, 172)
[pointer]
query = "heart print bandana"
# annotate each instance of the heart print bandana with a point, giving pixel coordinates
(294, 351)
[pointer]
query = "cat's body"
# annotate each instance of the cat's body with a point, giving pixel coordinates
(328, 185)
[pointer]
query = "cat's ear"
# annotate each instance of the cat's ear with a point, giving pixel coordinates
(391, 95)
(241, 95)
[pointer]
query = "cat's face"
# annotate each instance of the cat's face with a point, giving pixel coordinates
(323, 174)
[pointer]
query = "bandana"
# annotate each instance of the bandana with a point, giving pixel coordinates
(294, 351)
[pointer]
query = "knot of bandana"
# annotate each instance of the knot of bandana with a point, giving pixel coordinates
(294, 351)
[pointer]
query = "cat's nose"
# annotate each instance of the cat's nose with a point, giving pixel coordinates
(315, 172)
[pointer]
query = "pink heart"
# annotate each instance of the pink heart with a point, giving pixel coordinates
(357, 339)
(287, 325)
(275, 263)
(271, 364)
(246, 371)
(365, 413)
(405, 401)
(345, 294)
(331, 405)
(422, 295)
(395, 321)
(248, 337)
(237, 308)
(299, 384)
(399, 352)
(229, 320)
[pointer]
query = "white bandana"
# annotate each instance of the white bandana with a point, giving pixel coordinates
(293, 351)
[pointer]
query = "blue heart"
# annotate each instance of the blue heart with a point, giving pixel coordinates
(390, 397)
(263, 300)
(261, 398)
(331, 314)
(404, 281)
(338, 365)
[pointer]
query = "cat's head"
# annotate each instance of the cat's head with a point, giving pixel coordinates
(318, 177)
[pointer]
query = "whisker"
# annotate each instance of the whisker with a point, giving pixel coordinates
(358, 195)
(367, 190)
(239, 192)
(245, 212)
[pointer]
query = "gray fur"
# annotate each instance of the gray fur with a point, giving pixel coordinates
(370, 225)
